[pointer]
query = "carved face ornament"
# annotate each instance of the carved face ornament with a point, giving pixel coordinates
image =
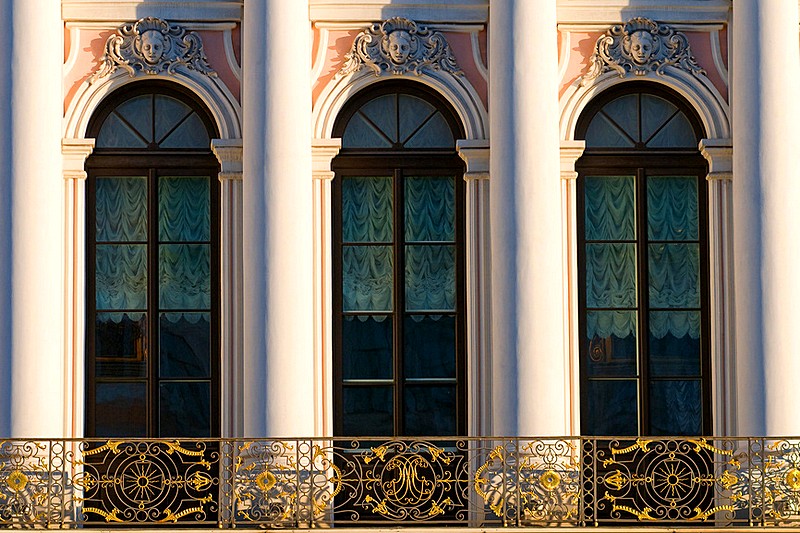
(399, 46)
(641, 46)
(152, 46)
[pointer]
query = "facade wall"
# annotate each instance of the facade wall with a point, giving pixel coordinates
(520, 93)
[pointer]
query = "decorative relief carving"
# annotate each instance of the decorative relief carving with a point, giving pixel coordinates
(152, 46)
(399, 46)
(641, 46)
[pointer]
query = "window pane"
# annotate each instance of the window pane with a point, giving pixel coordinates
(114, 133)
(185, 409)
(184, 208)
(430, 278)
(624, 111)
(675, 343)
(121, 344)
(610, 275)
(611, 338)
(430, 410)
(361, 134)
(367, 278)
(430, 346)
(676, 407)
(603, 133)
(413, 112)
(367, 347)
(169, 112)
(436, 133)
(185, 345)
(367, 411)
(382, 112)
(430, 209)
(655, 112)
(120, 410)
(678, 133)
(672, 210)
(121, 276)
(612, 408)
(674, 275)
(610, 208)
(184, 276)
(191, 133)
(367, 209)
(138, 112)
(121, 209)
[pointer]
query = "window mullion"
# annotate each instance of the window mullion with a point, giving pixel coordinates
(152, 304)
(643, 284)
(399, 301)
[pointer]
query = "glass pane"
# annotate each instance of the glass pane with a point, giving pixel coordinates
(191, 133)
(120, 410)
(367, 278)
(184, 208)
(169, 111)
(429, 346)
(382, 111)
(611, 337)
(138, 112)
(184, 276)
(430, 410)
(184, 340)
(430, 278)
(655, 112)
(430, 209)
(121, 209)
(367, 411)
(121, 344)
(367, 347)
(610, 275)
(610, 208)
(436, 133)
(675, 343)
(678, 133)
(185, 409)
(413, 112)
(361, 134)
(367, 209)
(676, 407)
(602, 133)
(114, 133)
(121, 276)
(672, 210)
(624, 111)
(674, 275)
(612, 408)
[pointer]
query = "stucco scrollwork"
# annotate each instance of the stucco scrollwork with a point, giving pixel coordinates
(640, 46)
(153, 46)
(399, 46)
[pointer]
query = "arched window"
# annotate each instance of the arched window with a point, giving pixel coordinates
(398, 267)
(152, 310)
(643, 275)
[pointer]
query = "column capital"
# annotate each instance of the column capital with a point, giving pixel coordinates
(74, 153)
(322, 153)
(229, 155)
(570, 152)
(475, 154)
(719, 154)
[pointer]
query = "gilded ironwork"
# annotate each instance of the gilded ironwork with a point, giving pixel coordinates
(479, 482)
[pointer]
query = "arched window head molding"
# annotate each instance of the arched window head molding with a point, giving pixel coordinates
(428, 61)
(171, 54)
(642, 49)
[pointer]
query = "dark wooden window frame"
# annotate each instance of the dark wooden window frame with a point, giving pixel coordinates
(642, 162)
(152, 163)
(399, 163)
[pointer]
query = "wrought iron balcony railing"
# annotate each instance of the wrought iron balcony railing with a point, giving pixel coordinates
(469, 482)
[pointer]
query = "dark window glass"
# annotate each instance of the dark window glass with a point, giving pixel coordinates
(643, 267)
(398, 267)
(152, 272)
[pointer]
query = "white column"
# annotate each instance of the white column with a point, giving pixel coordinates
(31, 220)
(528, 349)
(277, 226)
(766, 226)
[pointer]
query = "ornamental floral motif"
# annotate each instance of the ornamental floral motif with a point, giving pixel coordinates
(641, 46)
(399, 46)
(152, 46)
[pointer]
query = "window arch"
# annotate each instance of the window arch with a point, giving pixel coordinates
(643, 266)
(398, 265)
(152, 309)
